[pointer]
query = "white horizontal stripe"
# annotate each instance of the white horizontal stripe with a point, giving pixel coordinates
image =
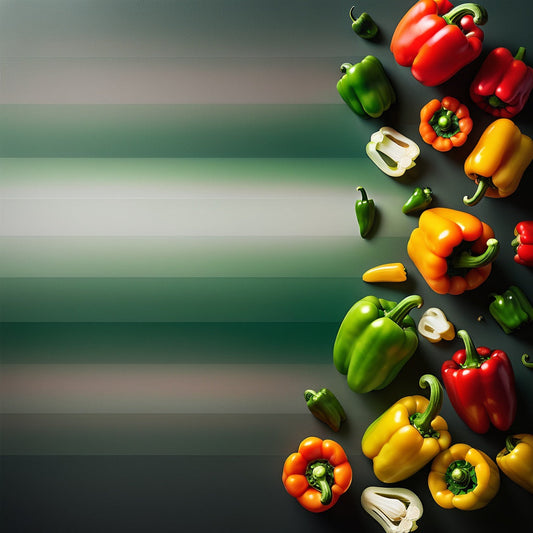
(171, 81)
(235, 389)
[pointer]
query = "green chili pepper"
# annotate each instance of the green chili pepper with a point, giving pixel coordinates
(365, 87)
(419, 200)
(365, 211)
(375, 340)
(511, 309)
(325, 406)
(364, 25)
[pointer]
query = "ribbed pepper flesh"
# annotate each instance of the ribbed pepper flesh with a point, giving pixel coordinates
(437, 40)
(516, 460)
(503, 84)
(407, 435)
(452, 250)
(498, 161)
(365, 87)
(375, 340)
(464, 478)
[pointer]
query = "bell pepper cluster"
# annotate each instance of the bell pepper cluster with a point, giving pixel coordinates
(453, 251)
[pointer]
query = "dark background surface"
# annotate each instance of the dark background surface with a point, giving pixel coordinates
(179, 248)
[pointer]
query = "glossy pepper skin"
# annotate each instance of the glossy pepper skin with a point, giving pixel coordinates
(503, 84)
(516, 460)
(365, 211)
(365, 87)
(325, 406)
(498, 161)
(512, 309)
(452, 250)
(317, 474)
(375, 340)
(388, 272)
(408, 435)
(418, 201)
(445, 124)
(523, 243)
(481, 386)
(437, 40)
(363, 25)
(464, 478)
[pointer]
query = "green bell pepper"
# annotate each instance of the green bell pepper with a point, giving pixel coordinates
(363, 25)
(366, 88)
(325, 406)
(375, 340)
(418, 201)
(365, 213)
(511, 309)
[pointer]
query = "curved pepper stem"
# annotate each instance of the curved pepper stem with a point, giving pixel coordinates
(467, 260)
(479, 14)
(473, 360)
(511, 443)
(317, 476)
(483, 185)
(422, 421)
(526, 361)
(399, 312)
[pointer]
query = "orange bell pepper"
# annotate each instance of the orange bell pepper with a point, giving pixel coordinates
(318, 474)
(443, 249)
(498, 161)
(445, 124)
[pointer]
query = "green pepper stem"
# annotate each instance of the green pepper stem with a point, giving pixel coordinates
(422, 421)
(473, 360)
(364, 197)
(479, 13)
(345, 67)
(483, 184)
(308, 394)
(460, 475)
(352, 16)
(319, 474)
(526, 361)
(520, 54)
(511, 443)
(401, 309)
(467, 260)
(445, 121)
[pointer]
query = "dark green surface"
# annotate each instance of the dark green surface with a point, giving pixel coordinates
(179, 246)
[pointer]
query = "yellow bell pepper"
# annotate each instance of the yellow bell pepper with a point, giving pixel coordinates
(498, 161)
(516, 460)
(408, 435)
(464, 478)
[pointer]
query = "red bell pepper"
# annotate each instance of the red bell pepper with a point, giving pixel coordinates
(503, 83)
(437, 40)
(523, 243)
(481, 386)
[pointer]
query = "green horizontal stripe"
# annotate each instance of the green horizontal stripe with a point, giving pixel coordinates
(183, 299)
(182, 131)
(156, 343)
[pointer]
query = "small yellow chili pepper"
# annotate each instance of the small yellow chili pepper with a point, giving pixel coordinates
(498, 161)
(464, 478)
(516, 460)
(387, 272)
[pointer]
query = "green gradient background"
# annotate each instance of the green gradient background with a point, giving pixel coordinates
(178, 247)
